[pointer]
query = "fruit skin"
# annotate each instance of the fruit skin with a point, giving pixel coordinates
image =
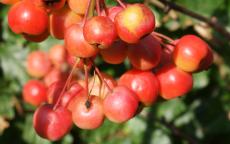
(78, 7)
(120, 105)
(90, 117)
(52, 124)
(116, 53)
(76, 44)
(100, 30)
(134, 22)
(25, 17)
(60, 20)
(143, 83)
(146, 54)
(173, 81)
(37, 38)
(38, 64)
(9, 2)
(113, 11)
(34, 92)
(191, 53)
(58, 55)
(54, 75)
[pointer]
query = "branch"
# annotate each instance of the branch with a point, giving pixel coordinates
(211, 22)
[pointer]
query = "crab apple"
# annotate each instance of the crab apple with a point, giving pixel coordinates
(55, 75)
(88, 113)
(76, 44)
(9, 2)
(38, 64)
(37, 38)
(99, 88)
(50, 5)
(143, 83)
(173, 81)
(100, 31)
(113, 11)
(25, 17)
(120, 105)
(134, 22)
(57, 55)
(78, 7)
(191, 52)
(34, 92)
(146, 54)
(51, 123)
(116, 53)
(60, 20)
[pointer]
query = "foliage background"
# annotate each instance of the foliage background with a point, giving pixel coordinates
(202, 116)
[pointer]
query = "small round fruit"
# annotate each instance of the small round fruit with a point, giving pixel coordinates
(78, 7)
(134, 22)
(143, 83)
(146, 54)
(38, 64)
(36, 38)
(25, 17)
(34, 92)
(191, 52)
(120, 105)
(52, 124)
(88, 113)
(116, 53)
(100, 31)
(173, 82)
(76, 44)
(57, 55)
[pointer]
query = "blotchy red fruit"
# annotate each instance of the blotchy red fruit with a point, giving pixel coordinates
(49, 5)
(50, 123)
(120, 105)
(78, 7)
(146, 54)
(25, 17)
(143, 83)
(60, 20)
(54, 75)
(34, 92)
(37, 38)
(113, 11)
(100, 30)
(76, 44)
(88, 117)
(54, 91)
(38, 64)
(57, 55)
(134, 22)
(173, 82)
(116, 53)
(191, 53)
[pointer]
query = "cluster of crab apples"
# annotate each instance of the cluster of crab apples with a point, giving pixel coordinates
(69, 88)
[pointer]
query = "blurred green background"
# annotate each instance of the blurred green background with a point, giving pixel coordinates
(200, 117)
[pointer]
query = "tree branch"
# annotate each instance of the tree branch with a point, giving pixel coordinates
(211, 22)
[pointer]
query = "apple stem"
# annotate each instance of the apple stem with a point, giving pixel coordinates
(163, 36)
(104, 7)
(121, 3)
(66, 84)
(86, 80)
(89, 10)
(98, 7)
(94, 75)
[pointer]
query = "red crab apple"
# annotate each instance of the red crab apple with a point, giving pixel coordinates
(37, 38)
(51, 123)
(76, 44)
(116, 53)
(146, 54)
(173, 81)
(134, 22)
(100, 31)
(58, 55)
(79, 6)
(38, 64)
(25, 17)
(60, 20)
(34, 92)
(192, 54)
(143, 83)
(88, 113)
(120, 105)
